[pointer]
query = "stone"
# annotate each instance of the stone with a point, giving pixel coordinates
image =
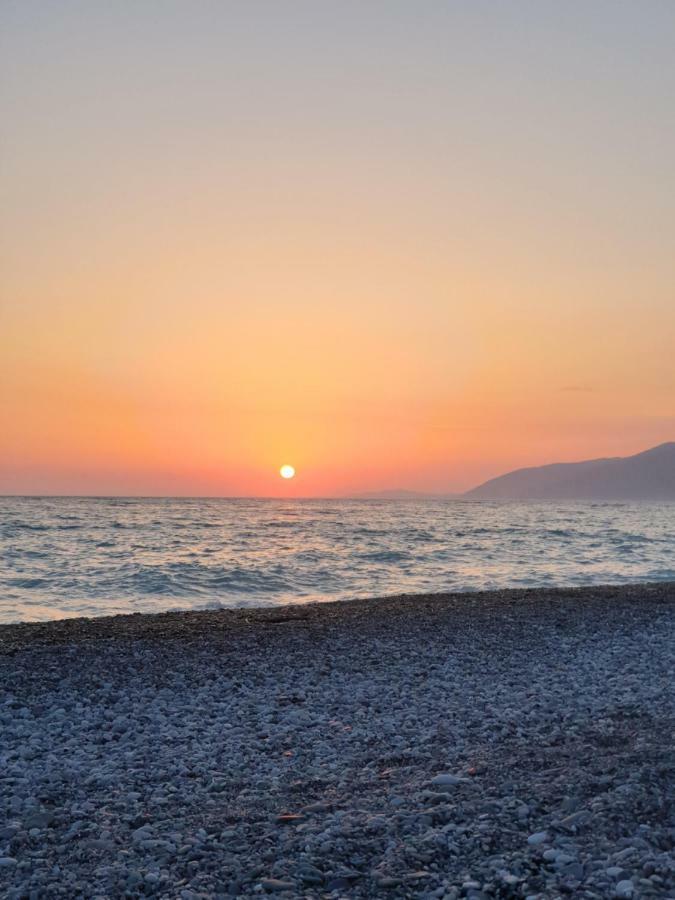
(539, 837)
(277, 885)
(446, 780)
(615, 871)
(41, 818)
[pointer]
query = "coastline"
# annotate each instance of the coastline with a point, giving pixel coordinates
(508, 743)
(195, 623)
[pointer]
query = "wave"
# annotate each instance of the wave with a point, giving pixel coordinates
(112, 555)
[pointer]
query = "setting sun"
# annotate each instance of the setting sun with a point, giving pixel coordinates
(428, 258)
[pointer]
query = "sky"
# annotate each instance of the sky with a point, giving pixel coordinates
(394, 244)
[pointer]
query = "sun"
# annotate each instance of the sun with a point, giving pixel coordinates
(287, 471)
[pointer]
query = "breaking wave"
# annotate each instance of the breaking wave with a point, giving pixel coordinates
(62, 557)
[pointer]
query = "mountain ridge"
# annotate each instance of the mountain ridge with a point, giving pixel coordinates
(648, 475)
(401, 494)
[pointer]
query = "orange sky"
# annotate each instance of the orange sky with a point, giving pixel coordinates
(234, 238)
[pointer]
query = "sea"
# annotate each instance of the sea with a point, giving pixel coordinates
(62, 557)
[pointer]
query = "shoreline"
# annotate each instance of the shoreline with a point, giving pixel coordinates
(191, 623)
(500, 744)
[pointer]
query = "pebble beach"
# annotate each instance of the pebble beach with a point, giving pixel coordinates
(499, 744)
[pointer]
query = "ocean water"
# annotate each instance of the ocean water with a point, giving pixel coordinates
(84, 556)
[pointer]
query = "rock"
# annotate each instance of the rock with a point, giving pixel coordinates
(539, 837)
(573, 870)
(624, 888)
(143, 833)
(387, 881)
(338, 884)
(574, 821)
(40, 819)
(310, 874)
(277, 885)
(447, 780)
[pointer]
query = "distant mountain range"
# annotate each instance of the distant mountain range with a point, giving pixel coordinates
(645, 476)
(400, 495)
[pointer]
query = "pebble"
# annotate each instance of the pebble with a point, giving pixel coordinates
(539, 837)
(207, 755)
(447, 780)
(277, 885)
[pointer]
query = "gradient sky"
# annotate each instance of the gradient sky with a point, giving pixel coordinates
(395, 244)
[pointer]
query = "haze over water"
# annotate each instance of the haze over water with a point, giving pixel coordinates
(86, 556)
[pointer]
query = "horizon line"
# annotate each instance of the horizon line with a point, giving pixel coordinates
(421, 495)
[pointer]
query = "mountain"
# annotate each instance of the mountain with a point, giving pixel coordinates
(646, 476)
(399, 495)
